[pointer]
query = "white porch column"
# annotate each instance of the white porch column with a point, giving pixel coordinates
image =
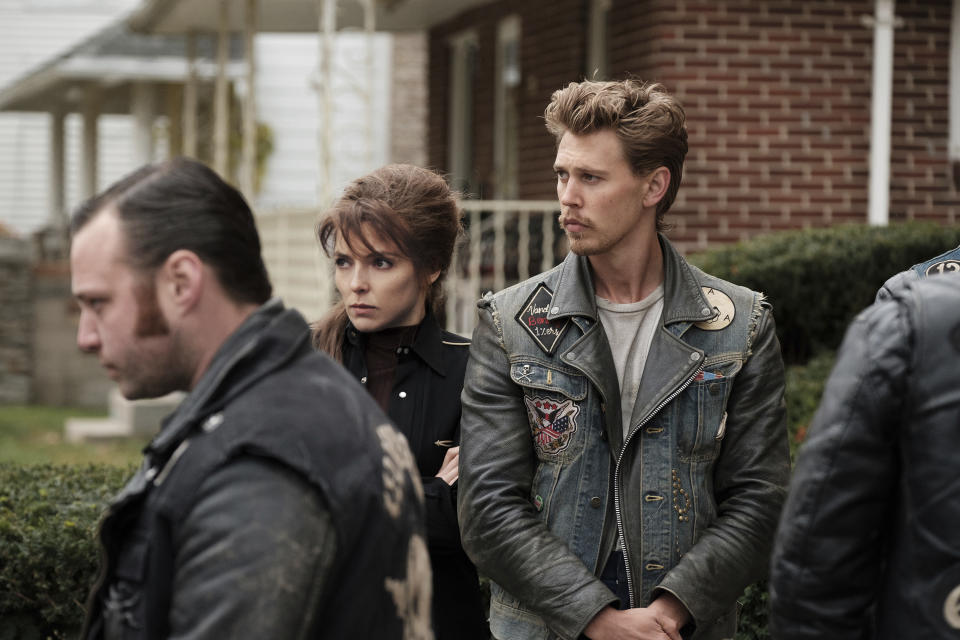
(248, 169)
(328, 13)
(88, 163)
(953, 150)
(190, 99)
(173, 97)
(58, 211)
(878, 211)
(221, 98)
(144, 113)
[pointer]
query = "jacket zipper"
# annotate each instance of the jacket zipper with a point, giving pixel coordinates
(616, 476)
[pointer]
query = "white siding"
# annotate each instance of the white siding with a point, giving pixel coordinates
(31, 32)
(288, 102)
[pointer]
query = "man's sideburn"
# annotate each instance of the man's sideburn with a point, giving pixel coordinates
(150, 321)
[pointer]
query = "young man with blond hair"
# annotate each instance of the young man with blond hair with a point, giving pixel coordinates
(624, 454)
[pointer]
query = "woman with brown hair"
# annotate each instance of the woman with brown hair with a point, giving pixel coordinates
(391, 236)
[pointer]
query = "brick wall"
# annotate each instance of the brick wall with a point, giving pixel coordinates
(777, 96)
(409, 95)
(552, 54)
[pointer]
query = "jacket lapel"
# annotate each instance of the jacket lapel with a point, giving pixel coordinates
(590, 354)
(671, 361)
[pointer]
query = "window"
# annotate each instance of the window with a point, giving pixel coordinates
(463, 63)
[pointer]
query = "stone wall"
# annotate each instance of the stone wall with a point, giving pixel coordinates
(16, 321)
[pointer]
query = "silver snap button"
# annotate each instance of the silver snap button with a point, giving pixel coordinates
(555, 310)
(212, 422)
(402, 394)
(706, 311)
(572, 355)
(694, 356)
(363, 380)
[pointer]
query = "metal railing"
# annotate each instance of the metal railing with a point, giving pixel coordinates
(506, 242)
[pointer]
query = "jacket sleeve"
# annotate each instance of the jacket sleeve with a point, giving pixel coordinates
(443, 533)
(499, 526)
(750, 478)
(252, 556)
(826, 564)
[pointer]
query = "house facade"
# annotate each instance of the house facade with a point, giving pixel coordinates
(778, 95)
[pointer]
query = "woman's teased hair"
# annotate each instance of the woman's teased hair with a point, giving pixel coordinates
(412, 207)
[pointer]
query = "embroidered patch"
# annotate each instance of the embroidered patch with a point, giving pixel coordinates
(951, 609)
(533, 317)
(723, 309)
(552, 423)
(944, 266)
(708, 375)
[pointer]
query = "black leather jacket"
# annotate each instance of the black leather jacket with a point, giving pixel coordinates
(425, 406)
(276, 502)
(868, 544)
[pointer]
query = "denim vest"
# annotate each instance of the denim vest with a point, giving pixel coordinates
(656, 487)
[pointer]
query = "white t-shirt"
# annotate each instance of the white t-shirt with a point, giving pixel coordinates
(630, 328)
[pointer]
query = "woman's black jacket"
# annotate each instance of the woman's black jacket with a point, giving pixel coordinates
(425, 406)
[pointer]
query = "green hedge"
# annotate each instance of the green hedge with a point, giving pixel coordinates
(48, 555)
(819, 279)
(48, 518)
(804, 386)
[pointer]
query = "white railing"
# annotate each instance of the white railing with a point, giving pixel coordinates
(506, 241)
(299, 271)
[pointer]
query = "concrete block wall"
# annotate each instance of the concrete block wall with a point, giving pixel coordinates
(16, 321)
(62, 374)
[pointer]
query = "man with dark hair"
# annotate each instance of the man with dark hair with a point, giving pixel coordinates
(277, 501)
(624, 453)
(867, 547)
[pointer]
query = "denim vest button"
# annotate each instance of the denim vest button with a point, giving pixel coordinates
(555, 310)
(694, 356)
(402, 394)
(595, 502)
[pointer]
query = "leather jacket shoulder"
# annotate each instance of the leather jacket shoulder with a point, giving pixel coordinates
(867, 545)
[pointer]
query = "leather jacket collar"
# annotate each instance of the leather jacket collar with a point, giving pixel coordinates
(260, 345)
(683, 300)
(427, 344)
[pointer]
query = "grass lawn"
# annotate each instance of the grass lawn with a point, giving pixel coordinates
(34, 434)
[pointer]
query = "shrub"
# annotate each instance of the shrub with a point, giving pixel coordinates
(803, 390)
(819, 279)
(48, 554)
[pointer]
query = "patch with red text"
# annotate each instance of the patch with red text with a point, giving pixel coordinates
(533, 317)
(552, 423)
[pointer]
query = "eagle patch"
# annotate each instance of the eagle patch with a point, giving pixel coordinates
(552, 423)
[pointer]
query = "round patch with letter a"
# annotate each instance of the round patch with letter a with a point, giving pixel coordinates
(723, 308)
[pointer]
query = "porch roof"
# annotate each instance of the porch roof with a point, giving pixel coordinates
(182, 16)
(110, 60)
